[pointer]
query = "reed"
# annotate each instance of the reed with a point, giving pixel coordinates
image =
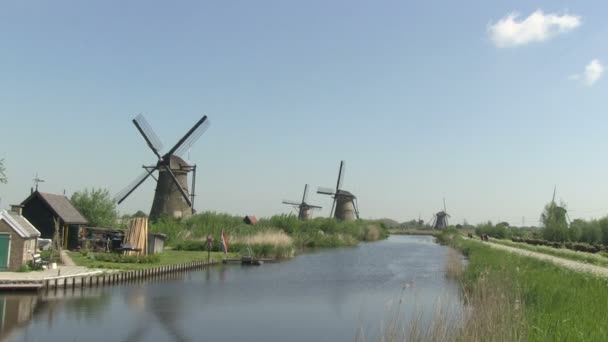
(277, 236)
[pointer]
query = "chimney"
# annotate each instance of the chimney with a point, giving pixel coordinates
(16, 209)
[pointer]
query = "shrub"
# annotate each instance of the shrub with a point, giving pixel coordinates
(126, 259)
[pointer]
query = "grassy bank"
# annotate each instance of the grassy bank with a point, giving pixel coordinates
(557, 304)
(168, 257)
(399, 231)
(279, 236)
(590, 258)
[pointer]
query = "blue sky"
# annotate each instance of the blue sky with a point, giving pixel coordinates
(421, 101)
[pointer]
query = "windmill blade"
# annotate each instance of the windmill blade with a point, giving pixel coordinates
(189, 138)
(340, 176)
(305, 196)
(192, 195)
(168, 169)
(333, 205)
(124, 193)
(147, 132)
(444, 209)
(325, 191)
(290, 202)
(554, 189)
(356, 205)
(315, 207)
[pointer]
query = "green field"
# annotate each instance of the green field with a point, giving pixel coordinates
(558, 304)
(168, 257)
(279, 236)
(590, 258)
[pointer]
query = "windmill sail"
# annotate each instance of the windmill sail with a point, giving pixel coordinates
(172, 197)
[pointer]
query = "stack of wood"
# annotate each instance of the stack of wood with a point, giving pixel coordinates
(137, 236)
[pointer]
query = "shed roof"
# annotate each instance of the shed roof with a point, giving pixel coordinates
(61, 206)
(20, 224)
(250, 219)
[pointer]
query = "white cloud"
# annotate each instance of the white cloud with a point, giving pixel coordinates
(538, 27)
(593, 72)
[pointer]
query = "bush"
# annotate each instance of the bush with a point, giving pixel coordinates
(24, 268)
(126, 259)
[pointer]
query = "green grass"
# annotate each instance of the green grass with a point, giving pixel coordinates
(590, 258)
(316, 233)
(168, 257)
(399, 231)
(559, 304)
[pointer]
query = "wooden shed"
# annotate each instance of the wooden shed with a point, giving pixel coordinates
(42, 209)
(250, 219)
(18, 239)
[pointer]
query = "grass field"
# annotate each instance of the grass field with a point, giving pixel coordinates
(168, 257)
(398, 231)
(558, 304)
(279, 236)
(590, 258)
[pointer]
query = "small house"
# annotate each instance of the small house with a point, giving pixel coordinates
(250, 219)
(18, 239)
(43, 209)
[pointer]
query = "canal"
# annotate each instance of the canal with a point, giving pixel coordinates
(329, 295)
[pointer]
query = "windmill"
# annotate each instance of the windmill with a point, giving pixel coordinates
(440, 220)
(345, 203)
(560, 212)
(304, 209)
(171, 197)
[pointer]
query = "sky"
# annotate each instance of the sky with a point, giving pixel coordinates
(487, 104)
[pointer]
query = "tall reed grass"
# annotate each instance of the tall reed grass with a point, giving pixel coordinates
(277, 236)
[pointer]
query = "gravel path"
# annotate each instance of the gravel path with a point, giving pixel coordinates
(570, 264)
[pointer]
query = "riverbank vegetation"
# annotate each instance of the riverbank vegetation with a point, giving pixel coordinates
(120, 262)
(599, 259)
(279, 236)
(546, 302)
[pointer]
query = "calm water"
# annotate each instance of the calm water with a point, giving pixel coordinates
(323, 296)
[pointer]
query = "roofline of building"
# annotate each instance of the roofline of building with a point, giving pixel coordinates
(16, 226)
(38, 193)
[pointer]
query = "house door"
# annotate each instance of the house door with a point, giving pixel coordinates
(5, 241)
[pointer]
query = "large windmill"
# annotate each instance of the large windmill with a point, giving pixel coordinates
(171, 197)
(345, 203)
(440, 220)
(304, 209)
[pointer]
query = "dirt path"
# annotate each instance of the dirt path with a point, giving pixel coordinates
(570, 264)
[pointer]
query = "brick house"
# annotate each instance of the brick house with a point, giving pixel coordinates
(18, 239)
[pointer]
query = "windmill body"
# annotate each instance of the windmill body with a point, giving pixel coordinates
(304, 209)
(440, 220)
(172, 197)
(344, 207)
(168, 199)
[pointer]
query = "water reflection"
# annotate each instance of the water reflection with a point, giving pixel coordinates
(325, 296)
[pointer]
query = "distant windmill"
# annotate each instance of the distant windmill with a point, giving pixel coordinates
(304, 209)
(171, 197)
(440, 220)
(345, 203)
(560, 210)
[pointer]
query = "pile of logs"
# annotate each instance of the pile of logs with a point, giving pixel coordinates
(137, 236)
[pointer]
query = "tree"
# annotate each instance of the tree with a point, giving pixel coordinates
(97, 206)
(3, 178)
(555, 222)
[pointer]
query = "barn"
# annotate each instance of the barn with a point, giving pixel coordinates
(18, 239)
(43, 209)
